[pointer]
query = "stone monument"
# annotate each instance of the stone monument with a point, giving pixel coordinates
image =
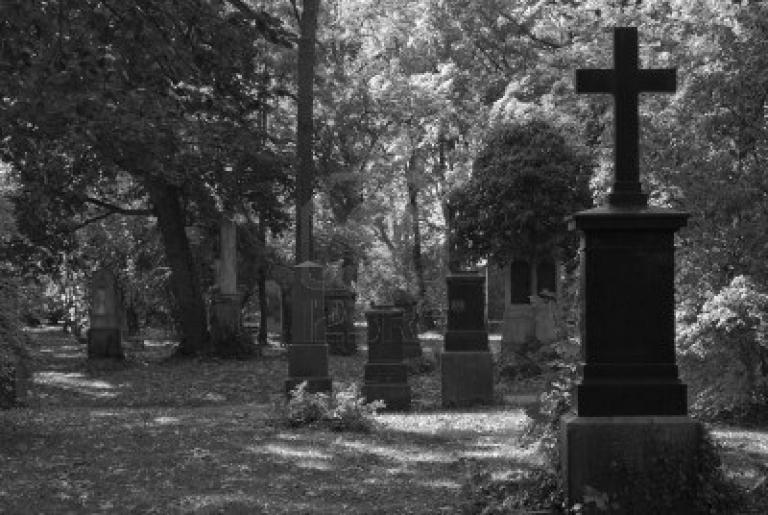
(386, 376)
(105, 310)
(340, 321)
(308, 351)
(225, 320)
(466, 365)
(411, 344)
(631, 405)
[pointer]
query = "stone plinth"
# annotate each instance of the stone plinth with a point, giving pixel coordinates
(466, 365)
(628, 332)
(308, 352)
(411, 345)
(104, 338)
(386, 375)
(643, 464)
(340, 318)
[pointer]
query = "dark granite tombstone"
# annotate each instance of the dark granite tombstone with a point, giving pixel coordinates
(308, 351)
(411, 345)
(630, 396)
(386, 376)
(340, 321)
(105, 307)
(466, 365)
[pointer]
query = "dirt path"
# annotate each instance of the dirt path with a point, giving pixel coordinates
(206, 437)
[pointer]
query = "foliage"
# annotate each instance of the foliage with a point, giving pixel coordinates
(344, 410)
(14, 356)
(724, 353)
(526, 180)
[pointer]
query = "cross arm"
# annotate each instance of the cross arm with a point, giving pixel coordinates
(594, 81)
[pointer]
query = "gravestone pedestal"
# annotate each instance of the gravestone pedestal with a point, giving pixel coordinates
(631, 404)
(386, 376)
(104, 333)
(308, 352)
(466, 365)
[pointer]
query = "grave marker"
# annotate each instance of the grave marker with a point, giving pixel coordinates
(630, 396)
(386, 376)
(105, 320)
(466, 365)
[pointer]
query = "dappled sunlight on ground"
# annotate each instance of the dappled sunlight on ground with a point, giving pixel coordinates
(77, 382)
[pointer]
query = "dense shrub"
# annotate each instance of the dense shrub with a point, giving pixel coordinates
(724, 354)
(345, 410)
(14, 357)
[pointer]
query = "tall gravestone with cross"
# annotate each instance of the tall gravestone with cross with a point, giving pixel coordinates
(631, 404)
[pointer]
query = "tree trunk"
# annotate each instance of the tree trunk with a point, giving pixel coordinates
(305, 167)
(413, 207)
(185, 284)
(261, 279)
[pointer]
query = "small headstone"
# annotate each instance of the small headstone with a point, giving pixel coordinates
(105, 320)
(386, 376)
(340, 321)
(466, 365)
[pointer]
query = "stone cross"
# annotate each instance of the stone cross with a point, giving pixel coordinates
(625, 82)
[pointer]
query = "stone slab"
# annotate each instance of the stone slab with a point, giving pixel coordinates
(467, 378)
(625, 460)
(307, 360)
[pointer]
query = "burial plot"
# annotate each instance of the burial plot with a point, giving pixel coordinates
(105, 320)
(386, 376)
(466, 365)
(308, 351)
(631, 404)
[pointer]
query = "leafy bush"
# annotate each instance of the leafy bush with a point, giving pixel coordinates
(724, 354)
(345, 410)
(14, 357)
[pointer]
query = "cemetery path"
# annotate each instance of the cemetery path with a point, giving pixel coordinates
(206, 437)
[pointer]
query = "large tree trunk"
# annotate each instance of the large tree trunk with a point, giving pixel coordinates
(185, 284)
(305, 167)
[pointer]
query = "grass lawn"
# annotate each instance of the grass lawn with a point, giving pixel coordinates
(155, 436)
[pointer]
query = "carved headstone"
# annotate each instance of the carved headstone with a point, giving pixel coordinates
(466, 365)
(340, 321)
(308, 351)
(386, 376)
(411, 345)
(105, 317)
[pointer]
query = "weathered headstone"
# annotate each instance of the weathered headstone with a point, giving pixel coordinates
(225, 320)
(274, 307)
(466, 364)
(340, 321)
(631, 404)
(308, 351)
(386, 376)
(105, 320)
(411, 345)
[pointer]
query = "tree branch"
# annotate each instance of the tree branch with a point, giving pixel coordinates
(117, 209)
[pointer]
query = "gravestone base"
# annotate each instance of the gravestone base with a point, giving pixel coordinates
(632, 464)
(467, 378)
(308, 362)
(104, 342)
(387, 382)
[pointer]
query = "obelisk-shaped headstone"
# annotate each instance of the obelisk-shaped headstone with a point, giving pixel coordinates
(631, 405)
(225, 320)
